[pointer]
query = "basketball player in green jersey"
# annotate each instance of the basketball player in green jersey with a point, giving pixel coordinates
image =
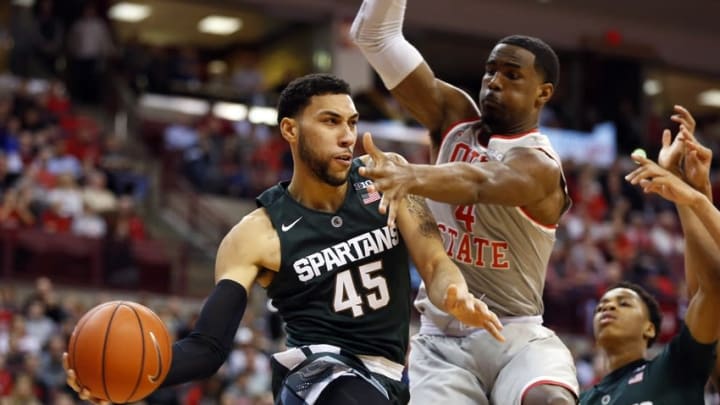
(627, 319)
(336, 272)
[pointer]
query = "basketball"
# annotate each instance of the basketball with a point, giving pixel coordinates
(120, 351)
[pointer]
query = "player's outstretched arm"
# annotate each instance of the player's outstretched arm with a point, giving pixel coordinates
(377, 30)
(205, 349)
(524, 176)
(701, 223)
(446, 287)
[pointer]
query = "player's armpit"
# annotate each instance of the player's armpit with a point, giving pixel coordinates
(529, 175)
(250, 246)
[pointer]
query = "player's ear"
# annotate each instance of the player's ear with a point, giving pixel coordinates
(650, 331)
(289, 129)
(545, 92)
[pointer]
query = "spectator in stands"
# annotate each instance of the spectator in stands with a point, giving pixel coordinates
(6, 378)
(25, 37)
(59, 161)
(123, 169)
(90, 46)
(125, 228)
(67, 195)
(27, 150)
(53, 220)
(37, 324)
(128, 224)
(51, 38)
(96, 196)
(22, 392)
(32, 367)
(180, 136)
(84, 144)
(89, 223)
(15, 210)
(247, 78)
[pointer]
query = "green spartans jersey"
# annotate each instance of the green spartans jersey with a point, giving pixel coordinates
(676, 376)
(344, 277)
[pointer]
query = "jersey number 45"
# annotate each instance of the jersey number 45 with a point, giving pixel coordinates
(374, 286)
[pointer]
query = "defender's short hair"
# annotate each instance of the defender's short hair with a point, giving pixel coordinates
(546, 60)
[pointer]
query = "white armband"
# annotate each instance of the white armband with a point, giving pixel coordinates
(377, 31)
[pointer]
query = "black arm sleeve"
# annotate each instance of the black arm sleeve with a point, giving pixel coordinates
(206, 348)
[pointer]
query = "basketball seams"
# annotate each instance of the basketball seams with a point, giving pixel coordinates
(85, 319)
(104, 348)
(142, 351)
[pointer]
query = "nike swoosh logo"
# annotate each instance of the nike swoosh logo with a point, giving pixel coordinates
(286, 228)
(154, 378)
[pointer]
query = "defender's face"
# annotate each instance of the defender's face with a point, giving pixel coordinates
(327, 135)
(619, 316)
(510, 87)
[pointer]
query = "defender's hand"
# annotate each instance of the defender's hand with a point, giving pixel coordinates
(72, 382)
(391, 176)
(697, 162)
(673, 151)
(472, 311)
(654, 179)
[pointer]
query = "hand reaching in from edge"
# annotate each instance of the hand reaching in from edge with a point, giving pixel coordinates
(72, 382)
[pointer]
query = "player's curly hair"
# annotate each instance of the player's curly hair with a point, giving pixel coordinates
(650, 303)
(296, 96)
(546, 61)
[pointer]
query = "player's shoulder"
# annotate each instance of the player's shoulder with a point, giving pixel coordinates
(252, 228)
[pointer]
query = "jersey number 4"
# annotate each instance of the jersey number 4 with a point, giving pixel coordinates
(466, 215)
(375, 285)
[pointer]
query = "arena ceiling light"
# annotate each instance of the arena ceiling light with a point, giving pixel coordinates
(219, 25)
(710, 98)
(184, 105)
(652, 87)
(263, 115)
(230, 111)
(129, 12)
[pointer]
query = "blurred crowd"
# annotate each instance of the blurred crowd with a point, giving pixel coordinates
(62, 173)
(36, 323)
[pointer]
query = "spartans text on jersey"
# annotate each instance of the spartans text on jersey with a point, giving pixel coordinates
(352, 250)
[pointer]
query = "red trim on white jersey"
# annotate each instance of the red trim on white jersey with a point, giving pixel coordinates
(515, 136)
(455, 125)
(546, 382)
(535, 221)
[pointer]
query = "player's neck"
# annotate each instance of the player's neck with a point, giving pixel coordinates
(623, 353)
(523, 126)
(316, 194)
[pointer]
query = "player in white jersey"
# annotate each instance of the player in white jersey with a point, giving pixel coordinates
(498, 192)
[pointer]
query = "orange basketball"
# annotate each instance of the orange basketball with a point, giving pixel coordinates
(120, 351)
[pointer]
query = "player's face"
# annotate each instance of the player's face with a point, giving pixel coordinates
(510, 89)
(328, 131)
(620, 316)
